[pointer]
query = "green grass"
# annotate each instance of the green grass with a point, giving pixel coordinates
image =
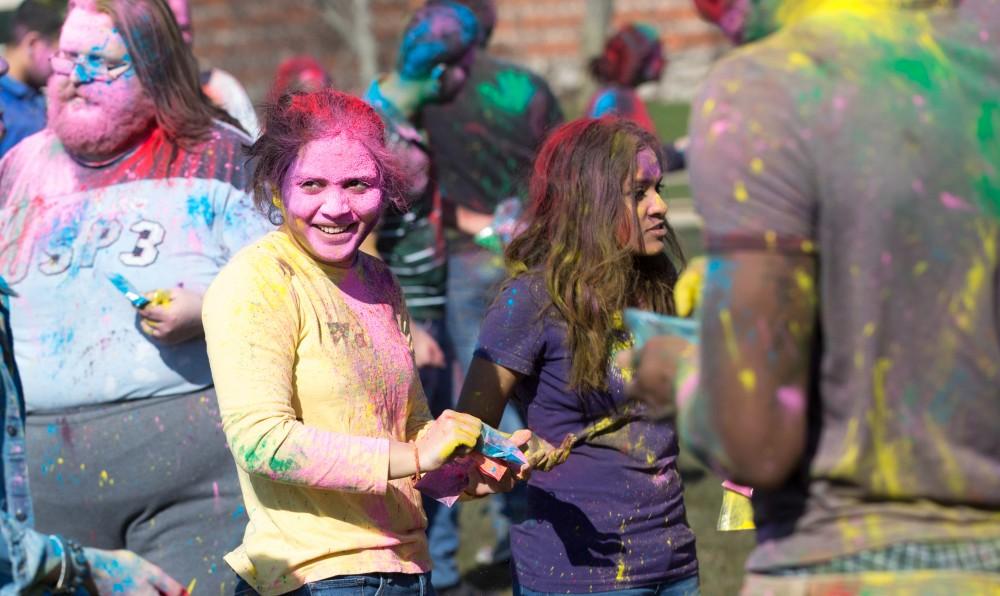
(671, 118)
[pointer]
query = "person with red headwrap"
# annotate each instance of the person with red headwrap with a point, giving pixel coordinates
(299, 73)
(631, 57)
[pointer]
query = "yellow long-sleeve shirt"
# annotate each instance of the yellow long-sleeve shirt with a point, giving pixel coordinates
(314, 370)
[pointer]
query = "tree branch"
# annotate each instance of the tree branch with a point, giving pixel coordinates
(341, 24)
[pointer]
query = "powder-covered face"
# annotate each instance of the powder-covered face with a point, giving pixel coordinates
(182, 12)
(332, 198)
(97, 119)
(645, 206)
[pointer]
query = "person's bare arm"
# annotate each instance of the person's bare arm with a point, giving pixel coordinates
(758, 324)
(486, 390)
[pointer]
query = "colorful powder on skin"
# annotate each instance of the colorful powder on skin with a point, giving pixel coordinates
(732, 345)
(740, 192)
(792, 400)
(349, 204)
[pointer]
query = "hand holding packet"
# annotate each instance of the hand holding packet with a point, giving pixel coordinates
(493, 452)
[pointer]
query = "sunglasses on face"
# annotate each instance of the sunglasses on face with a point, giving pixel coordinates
(88, 67)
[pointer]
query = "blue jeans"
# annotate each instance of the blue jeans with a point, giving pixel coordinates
(372, 584)
(474, 279)
(442, 522)
(685, 587)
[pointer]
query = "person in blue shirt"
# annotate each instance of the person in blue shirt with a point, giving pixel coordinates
(30, 560)
(32, 39)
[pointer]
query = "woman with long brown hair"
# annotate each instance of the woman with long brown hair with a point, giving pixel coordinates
(605, 508)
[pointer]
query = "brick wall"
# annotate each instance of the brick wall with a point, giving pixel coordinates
(547, 35)
(250, 38)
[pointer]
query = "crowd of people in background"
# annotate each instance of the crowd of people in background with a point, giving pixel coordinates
(243, 354)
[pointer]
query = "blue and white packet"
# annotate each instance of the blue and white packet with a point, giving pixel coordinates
(645, 325)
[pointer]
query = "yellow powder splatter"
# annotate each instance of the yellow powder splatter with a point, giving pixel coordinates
(869, 330)
(808, 247)
(83, 467)
(190, 587)
(873, 527)
(859, 360)
(757, 165)
(726, 319)
(886, 473)
(740, 192)
(847, 465)
(60, 461)
(105, 479)
(748, 379)
(920, 268)
(798, 60)
(708, 107)
(805, 283)
(771, 239)
(620, 576)
(953, 473)
(603, 424)
(848, 532)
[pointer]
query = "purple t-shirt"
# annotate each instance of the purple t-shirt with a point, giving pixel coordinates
(612, 516)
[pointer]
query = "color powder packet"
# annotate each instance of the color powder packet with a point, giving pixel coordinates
(493, 443)
(645, 325)
(446, 484)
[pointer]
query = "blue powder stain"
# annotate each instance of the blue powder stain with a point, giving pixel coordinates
(417, 53)
(606, 104)
(201, 208)
(720, 273)
(58, 340)
(53, 429)
(239, 512)
(67, 235)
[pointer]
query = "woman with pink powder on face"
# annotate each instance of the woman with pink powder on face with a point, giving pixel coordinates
(311, 352)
